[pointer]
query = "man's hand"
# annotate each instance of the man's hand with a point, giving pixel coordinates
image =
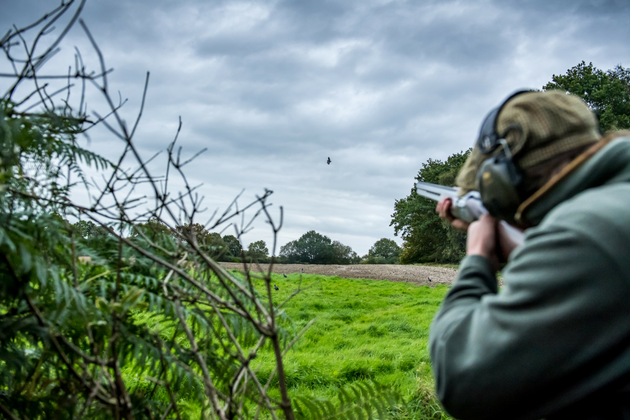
(482, 237)
(444, 210)
(482, 240)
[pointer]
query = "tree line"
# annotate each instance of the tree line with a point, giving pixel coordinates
(426, 238)
(310, 248)
(315, 248)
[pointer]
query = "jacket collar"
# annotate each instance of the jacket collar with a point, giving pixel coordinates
(606, 162)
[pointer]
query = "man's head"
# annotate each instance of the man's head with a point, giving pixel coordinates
(535, 133)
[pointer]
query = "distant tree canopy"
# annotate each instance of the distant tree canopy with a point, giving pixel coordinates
(343, 254)
(88, 230)
(315, 248)
(152, 229)
(426, 237)
(196, 231)
(606, 92)
(384, 251)
(258, 251)
(227, 248)
(233, 244)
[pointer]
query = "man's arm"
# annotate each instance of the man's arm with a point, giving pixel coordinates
(543, 342)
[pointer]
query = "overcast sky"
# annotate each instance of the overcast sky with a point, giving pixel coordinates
(274, 88)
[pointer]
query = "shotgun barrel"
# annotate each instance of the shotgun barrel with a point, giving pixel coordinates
(468, 207)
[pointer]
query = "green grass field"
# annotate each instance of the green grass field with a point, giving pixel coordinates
(365, 329)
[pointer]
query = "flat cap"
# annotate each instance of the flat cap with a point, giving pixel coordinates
(552, 123)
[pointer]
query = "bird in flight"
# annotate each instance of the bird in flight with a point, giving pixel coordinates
(328, 161)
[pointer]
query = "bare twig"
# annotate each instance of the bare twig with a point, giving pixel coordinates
(210, 389)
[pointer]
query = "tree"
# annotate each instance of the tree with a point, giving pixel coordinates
(152, 229)
(194, 231)
(384, 251)
(343, 254)
(607, 93)
(311, 248)
(233, 245)
(210, 242)
(258, 251)
(88, 230)
(426, 237)
(290, 253)
(216, 247)
(315, 248)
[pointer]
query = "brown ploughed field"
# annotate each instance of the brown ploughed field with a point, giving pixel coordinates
(417, 274)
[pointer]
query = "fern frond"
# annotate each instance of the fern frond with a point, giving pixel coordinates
(361, 400)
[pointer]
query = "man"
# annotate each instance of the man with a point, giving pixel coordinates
(554, 343)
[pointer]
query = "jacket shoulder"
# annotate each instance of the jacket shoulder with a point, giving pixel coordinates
(598, 215)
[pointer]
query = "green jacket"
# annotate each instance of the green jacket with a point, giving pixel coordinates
(555, 342)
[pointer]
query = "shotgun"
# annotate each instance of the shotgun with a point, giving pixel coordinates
(467, 208)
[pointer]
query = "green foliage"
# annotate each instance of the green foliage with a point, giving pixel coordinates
(315, 248)
(384, 251)
(216, 247)
(358, 401)
(426, 237)
(91, 233)
(608, 93)
(44, 297)
(49, 141)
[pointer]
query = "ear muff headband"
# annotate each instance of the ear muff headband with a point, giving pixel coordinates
(498, 178)
(489, 138)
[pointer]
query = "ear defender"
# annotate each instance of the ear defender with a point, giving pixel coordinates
(498, 178)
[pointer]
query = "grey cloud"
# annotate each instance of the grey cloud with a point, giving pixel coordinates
(272, 88)
(564, 7)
